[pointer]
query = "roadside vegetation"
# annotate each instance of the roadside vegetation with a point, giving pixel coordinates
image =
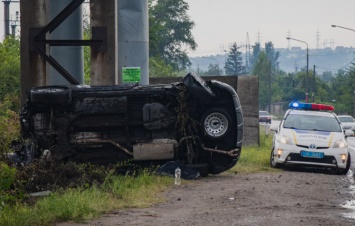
(79, 192)
(255, 158)
(76, 192)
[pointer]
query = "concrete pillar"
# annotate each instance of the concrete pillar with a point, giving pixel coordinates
(133, 37)
(7, 17)
(33, 66)
(103, 64)
(71, 58)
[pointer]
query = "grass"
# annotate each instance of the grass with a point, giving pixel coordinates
(116, 192)
(81, 204)
(255, 158)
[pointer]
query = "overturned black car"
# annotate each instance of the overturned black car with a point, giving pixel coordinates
(194, 122)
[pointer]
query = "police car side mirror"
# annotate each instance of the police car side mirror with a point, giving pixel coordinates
(349, 133)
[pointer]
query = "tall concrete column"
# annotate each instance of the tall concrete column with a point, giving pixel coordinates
(133, 37)
(69, 57)
(103, 64)
(7, 17)
(33, 66)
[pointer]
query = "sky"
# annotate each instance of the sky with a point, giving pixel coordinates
(219, 23)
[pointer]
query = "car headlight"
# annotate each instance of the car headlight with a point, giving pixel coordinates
(285, 140)
(340, 144)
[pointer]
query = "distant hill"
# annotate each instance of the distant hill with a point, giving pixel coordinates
(292, 60)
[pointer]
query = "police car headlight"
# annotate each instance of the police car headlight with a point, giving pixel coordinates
(285, 140)
(340, 144)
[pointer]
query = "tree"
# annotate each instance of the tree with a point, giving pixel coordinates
(10, 71)
(170, 32)
(157, 68)
(272, 55)
(262, 69)
(213, 69)
(234, 63)
(255, 55)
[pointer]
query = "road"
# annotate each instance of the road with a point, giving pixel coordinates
(285, 197)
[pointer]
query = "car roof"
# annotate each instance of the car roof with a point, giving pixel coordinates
(315, 113)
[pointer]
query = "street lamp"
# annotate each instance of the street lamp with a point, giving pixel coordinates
(289, 38)
(216, 61)
(343, 27)
(353, 31)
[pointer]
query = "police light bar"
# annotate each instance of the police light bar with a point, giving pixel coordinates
(310, 106)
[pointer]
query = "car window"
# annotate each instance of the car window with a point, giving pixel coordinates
(312, 122)
(346, 119)
(263, 113)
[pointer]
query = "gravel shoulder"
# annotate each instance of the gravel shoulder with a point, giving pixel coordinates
(283, 198)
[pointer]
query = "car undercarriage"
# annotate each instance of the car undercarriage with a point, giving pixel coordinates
(195, 122)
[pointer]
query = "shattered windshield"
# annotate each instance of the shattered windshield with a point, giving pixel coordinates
(312, 122)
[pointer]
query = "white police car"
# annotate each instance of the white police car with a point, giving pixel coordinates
(311, 135)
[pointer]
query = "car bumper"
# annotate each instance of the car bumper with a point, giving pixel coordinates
(291, 155)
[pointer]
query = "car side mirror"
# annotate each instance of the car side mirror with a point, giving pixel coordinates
(349, 133)
(274, 128)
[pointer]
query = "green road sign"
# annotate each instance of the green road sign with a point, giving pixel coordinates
(131, 74)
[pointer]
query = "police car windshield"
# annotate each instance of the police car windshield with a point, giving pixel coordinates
(312, 122)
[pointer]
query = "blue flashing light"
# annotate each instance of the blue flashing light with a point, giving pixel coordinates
(311, 106)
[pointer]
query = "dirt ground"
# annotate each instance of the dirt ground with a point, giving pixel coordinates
(288, 197)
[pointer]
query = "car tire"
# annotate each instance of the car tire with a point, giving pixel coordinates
(217, 123)
(273, 164)
(56, 95)
(345, 171)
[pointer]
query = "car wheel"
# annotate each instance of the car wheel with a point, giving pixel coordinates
(273, 163)
(345, 171)
(217, 123)
(49, 95)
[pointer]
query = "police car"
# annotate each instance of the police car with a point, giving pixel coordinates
(311, 135)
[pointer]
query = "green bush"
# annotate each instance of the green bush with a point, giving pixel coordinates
(7, 178)
(9, 125)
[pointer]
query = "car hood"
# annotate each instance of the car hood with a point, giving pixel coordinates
(347, 124)
(307, 137)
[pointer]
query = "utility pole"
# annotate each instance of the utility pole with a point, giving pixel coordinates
(269, 89)
(314, 83)
(247, 55)
(288, 38)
